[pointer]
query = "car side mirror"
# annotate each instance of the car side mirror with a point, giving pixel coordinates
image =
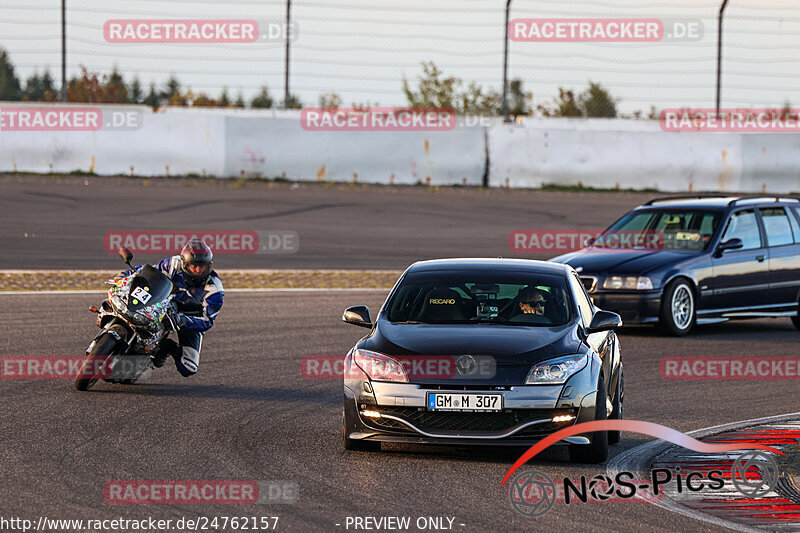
(126, 256)
(357, 315)
(732, 244)
(604, 321)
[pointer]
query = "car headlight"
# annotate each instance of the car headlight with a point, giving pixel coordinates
(556, 371)
(639, 283)
(379, 367)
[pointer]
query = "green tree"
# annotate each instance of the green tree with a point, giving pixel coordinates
(152, 98)
(9, 83)
(294, 102)
(224, 101)
(364, 106)
(172, 90)
(262, 99)
(475, 100)
(88, 88)
(433, 89)
(330, 101)
(39, 88)
(114, 90)
(565, 104)
(239, 101)
(135, 93)
(597, 102)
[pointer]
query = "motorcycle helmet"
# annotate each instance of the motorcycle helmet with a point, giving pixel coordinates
(196, 262)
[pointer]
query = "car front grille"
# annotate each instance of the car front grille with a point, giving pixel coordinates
(447, 422)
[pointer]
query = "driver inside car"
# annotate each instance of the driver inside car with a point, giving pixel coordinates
(530, 306)
(198, 292)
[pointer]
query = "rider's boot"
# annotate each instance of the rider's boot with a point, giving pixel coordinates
(168, 348)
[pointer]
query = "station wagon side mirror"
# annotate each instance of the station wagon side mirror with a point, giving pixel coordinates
(358, 315)
(604, 321)
(732, 244)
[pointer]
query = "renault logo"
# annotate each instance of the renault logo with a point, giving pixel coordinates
(466, 365)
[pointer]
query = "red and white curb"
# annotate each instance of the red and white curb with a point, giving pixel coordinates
(778, 510)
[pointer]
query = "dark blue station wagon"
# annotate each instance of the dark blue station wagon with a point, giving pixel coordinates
(718, 258)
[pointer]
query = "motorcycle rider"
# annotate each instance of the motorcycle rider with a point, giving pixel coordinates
(199, 287)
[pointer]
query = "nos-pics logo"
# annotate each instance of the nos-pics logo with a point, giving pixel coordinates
(533, 493)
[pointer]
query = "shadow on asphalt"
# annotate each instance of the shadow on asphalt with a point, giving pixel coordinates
(224, 392)
(728, 330)
(556, 455)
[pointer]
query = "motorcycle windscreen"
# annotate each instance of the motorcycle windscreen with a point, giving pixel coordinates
(150, 286)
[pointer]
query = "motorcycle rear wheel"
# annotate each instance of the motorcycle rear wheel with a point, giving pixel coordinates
(105, 347)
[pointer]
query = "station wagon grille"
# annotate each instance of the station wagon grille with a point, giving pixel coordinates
(590, 282)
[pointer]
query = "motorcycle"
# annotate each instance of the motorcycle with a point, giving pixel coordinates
(135, 318)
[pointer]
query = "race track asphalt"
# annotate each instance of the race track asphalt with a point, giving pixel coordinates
(250, 415)
(59, 223)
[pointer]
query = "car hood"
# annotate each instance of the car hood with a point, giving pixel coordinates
(507, 345)
(599, 260)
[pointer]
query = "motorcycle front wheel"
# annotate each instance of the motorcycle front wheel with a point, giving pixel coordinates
(96, 360)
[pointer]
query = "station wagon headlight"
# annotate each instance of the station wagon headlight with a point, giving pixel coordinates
(639, 283)
(556, 371)
(379, 367)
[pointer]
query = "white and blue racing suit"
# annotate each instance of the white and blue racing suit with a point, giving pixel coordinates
(190, 332)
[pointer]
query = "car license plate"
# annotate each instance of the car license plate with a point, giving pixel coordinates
(458, 401)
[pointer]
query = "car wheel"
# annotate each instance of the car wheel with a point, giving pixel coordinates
(597, 451)
(678, 308)
(357, 445)
(615, 436)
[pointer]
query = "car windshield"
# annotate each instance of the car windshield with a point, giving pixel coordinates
(513, 298)
(670, 229)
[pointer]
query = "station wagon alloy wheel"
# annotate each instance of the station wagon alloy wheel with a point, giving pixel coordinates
(682, 307)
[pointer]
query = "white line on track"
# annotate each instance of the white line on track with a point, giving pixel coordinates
(638, 459)
(355, 289)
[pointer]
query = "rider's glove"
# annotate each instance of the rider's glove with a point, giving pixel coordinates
(180, 319)
(177, 318)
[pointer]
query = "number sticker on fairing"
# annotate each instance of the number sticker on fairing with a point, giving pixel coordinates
(140, 293)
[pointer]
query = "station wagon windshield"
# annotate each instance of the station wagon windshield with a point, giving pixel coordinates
(670, 229)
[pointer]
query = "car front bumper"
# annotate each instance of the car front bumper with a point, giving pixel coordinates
(635, 307)
(526, 417)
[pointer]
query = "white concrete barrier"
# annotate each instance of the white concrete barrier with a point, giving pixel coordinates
(632, 154)
(601, 153)
(281, 147)
(251, 143)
